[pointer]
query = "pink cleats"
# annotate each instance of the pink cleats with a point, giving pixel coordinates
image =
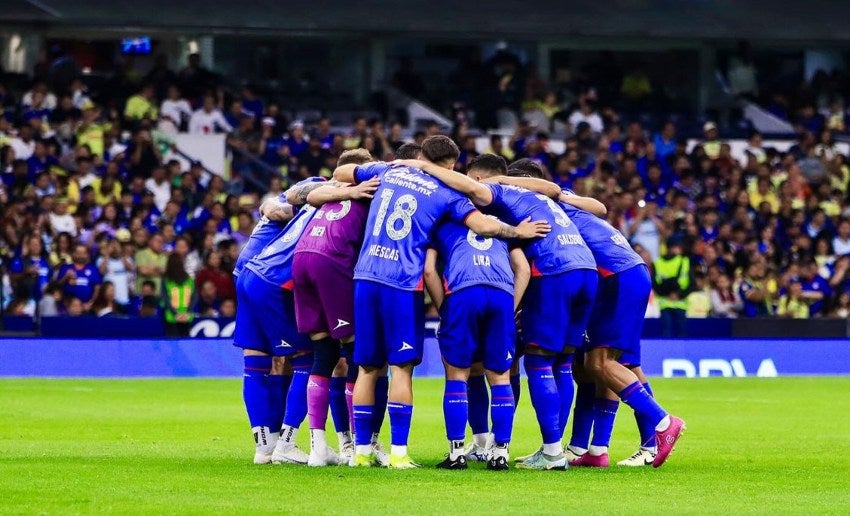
(587, 460)
(667, 440)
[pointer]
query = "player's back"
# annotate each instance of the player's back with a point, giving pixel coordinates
(611, 250)
(562, 250)
(336, 231)
(264, 232)
(405, 209)
(471, 259)
(274, 262)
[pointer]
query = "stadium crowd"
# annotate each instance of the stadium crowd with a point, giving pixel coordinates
(96, 220)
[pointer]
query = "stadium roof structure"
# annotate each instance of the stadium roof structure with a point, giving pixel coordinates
(814, 20)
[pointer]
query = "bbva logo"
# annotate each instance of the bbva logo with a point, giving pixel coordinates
(715, 367)
(210, 328)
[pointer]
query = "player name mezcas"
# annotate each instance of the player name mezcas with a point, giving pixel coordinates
(383, 252)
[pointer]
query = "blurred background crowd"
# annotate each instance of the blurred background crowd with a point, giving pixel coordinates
(103, 215)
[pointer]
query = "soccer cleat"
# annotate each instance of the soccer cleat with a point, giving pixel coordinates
(666, 440)
(475, 453)
(381, 455)
(346, 453)
(265, 444)
(526, 457)
(262, 456)
(544, 462)
(326, 457)
(405, 462)
(642, 457)
(290, 454)
(361, 460)
(590, 461)
(571, 455)
(449, 463)
(498, 463)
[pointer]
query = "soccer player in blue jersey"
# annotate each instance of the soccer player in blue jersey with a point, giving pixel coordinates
(613, 342)
(485, 282)
(556, 305)
(389, 303)
(265, 384)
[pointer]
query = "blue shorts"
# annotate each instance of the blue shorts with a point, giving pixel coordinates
(389, 325)
(265, 318)
(477, 325)
(556, 309)
(617, 318)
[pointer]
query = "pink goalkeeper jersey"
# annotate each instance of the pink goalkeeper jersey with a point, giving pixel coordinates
(336, 232)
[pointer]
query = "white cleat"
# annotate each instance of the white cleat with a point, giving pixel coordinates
(262, 456)
(475, 453)
(289, 454)
(530, 455)
(265, 444)
(346, 453)
(382, 457)
(642, 457)
(320, 458)
(542, 461)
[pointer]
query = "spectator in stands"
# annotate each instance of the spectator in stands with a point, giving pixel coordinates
(104, 303)
(841, 242)
(710, 143)
(116, 267)
(208, 119)
(80, 280)
(142, 105)
(586, 112)
(178, 297)
(213, 273)
(30, 271)
(794, 304)
(754, 293)
(50, 303)
(673, 282)
(160, 185)
(150, 263)
(208, 303)
(724, 299)
(175, 108)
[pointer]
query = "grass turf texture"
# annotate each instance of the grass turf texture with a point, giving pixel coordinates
(183, 446)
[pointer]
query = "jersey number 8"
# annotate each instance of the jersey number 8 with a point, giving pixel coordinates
(403, 210)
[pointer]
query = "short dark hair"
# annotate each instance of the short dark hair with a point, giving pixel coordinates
(526, 167)
(408, 151)
(439, 148)
(489, 162)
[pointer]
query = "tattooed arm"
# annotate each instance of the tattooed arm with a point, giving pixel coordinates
(493, 227)
(278, 211)
(297, 195)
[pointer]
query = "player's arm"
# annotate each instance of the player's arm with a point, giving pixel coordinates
(492, 227)
(432, 279)
(522, 275)
(480, 194)
(297, 194)
(542, 186)
(277, 211)
(343, 192)
(588, 204)
(345, 173)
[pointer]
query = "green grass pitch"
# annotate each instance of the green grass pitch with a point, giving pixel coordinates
(183, 446)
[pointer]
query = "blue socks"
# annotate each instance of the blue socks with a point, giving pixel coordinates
(637, 397)
(400, 416)
(339, 407)
(255, 391)
(382, 389)
(544, 396)
(363, 415)
(455, 411)
(296, 399)
(516, 389)
(604, 414)
(645, 427)
(563, 371)
(278, 388)
(583, 415)
(479, 403)
(502, 413)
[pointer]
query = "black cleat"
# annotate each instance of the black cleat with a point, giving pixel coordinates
(497, 464)
(448, 463)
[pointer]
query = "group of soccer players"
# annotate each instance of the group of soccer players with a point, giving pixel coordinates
(330, 293)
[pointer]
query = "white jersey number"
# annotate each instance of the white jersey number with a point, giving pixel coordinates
(403, 210)
(561, 218)
(344, 208)
(478, 242)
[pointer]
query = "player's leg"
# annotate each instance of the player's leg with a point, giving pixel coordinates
(544, 335)
(339, 411)
(279, 380)
(516, 381)
(370, 357)
(479, 413)
(382, 389)
(455, 415)
(403, 317)
(582, 411)
(645, 454)
(325, 359)
(257, 360)
(499, 355)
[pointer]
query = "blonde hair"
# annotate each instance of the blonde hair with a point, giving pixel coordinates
(355, 156)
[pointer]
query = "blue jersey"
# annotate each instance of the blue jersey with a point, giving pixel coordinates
(407, 206)
(264, 232)
(83, 283)
(562, 250)
(471, 259)
(610, 248)
(274, 263)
